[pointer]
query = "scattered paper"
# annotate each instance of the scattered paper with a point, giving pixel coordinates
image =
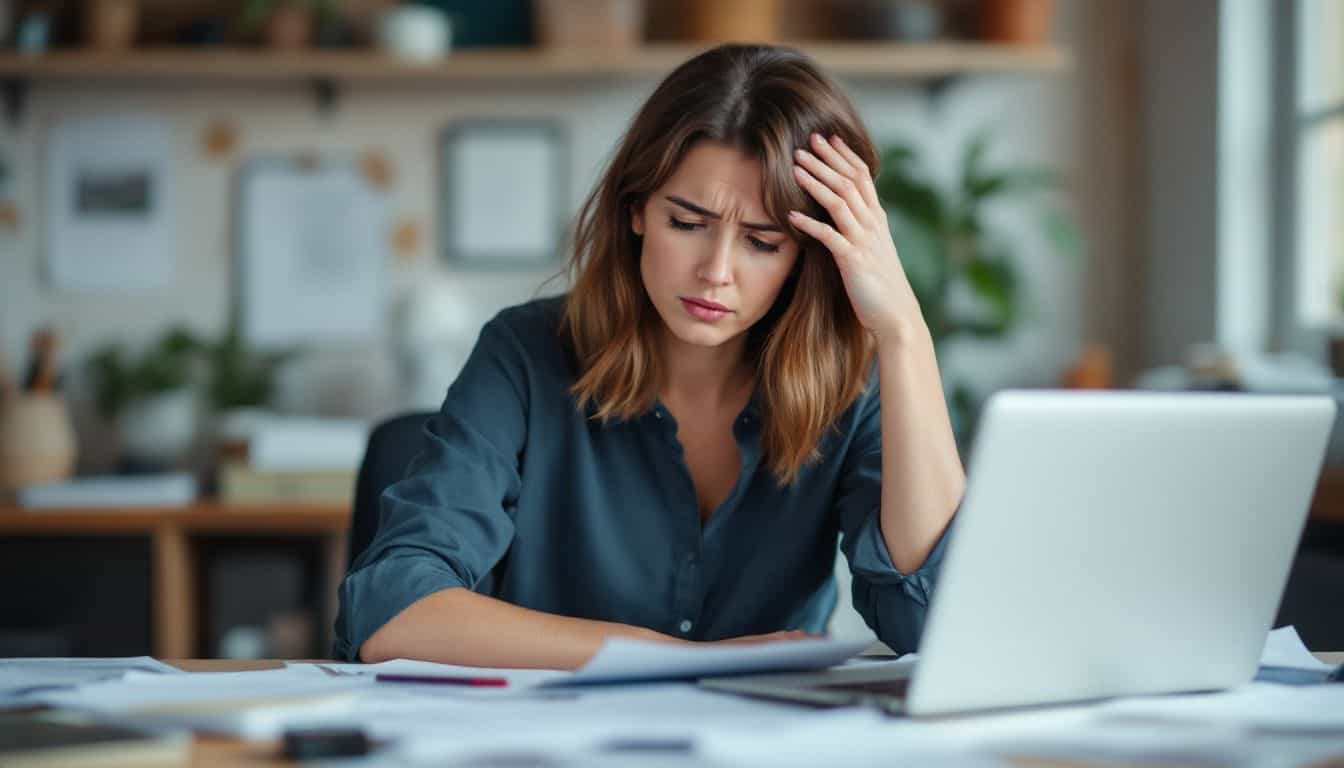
(1130, 743)
(621, 659)
(520, 681)
(589, 721)
(21, 678)
(1261, 706)
(1284, 648)
(251, 705)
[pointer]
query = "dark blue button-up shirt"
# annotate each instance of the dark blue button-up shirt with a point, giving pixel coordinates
(516, 493)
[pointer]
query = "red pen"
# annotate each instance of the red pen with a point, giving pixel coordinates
(475, 682)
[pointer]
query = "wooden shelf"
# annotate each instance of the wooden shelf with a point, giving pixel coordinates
(864, 60)
(206, 517)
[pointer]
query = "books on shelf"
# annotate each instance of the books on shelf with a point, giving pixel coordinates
(172, 489)
(241, 483)
(290, 444)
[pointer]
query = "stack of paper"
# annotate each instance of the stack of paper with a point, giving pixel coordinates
(245, 704)
(173, 489)
(21, 679)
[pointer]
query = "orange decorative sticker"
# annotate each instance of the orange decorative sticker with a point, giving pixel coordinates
(406, 240)
(378, 170)
(220, 141)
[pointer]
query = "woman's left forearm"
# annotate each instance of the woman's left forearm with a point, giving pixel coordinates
(922, 476)
(922, 480)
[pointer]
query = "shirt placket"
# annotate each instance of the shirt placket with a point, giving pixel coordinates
(689, 590)
(688, 583)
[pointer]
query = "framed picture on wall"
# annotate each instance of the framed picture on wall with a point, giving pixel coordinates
(110, 204)
(502, 185)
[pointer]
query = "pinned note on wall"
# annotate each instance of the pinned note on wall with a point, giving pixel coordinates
(312, 250)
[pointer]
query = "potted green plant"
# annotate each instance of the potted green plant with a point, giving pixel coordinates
(241, 382)
(150, 397)
(964, 272)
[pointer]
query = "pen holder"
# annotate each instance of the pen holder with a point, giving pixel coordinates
(37, 440)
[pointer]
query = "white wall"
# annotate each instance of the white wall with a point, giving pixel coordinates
(1180, 76)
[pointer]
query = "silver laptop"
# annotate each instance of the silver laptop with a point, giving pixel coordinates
(1109, 544)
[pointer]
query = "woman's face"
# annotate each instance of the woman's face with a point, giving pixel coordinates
(712, 261)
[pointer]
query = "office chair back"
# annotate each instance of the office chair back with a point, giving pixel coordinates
(392, 445)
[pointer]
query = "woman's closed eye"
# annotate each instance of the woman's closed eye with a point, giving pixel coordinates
(687, 226)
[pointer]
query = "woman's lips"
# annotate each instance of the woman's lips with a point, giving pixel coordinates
(705, 312)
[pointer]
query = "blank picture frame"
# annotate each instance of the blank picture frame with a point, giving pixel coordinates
(502, 185)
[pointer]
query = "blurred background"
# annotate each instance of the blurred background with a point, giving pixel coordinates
(238, 235)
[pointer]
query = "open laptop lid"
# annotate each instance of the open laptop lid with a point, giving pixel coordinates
(1115, 543)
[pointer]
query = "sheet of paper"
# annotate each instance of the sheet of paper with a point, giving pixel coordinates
(863, 736)
(590, 721)
(519, 680)
(620, 659)
(21, 678)
(247, 704)
(1128, 743)
(1284, 648)
(1261, 706)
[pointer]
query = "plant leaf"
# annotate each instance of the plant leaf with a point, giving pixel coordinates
(902, 187)
(1062, 232)
(1012, 181)
(971, 160)
(924, 259)
(994, 280)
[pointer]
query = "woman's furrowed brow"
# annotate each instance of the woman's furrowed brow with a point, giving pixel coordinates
(693, 208)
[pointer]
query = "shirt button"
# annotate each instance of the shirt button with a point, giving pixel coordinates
(685, 625)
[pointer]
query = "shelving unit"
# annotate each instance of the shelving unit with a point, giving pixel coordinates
(175, 534)
(521, 64)
(327, 70)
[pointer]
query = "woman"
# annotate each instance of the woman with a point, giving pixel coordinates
(739, 376)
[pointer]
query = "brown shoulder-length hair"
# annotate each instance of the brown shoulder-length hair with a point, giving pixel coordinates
(810, 352)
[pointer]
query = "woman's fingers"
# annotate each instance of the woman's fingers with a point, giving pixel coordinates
(833, 158)
(836, 205)
(843, 186)
(863, 175)
(822, 233)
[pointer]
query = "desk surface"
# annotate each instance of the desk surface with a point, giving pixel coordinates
(212, 752)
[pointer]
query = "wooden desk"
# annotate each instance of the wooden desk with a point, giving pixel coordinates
(174, 533)
(215, 752)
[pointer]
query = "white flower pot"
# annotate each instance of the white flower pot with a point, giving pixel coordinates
(159, 429)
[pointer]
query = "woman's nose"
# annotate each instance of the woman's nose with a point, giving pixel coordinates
(717, 267)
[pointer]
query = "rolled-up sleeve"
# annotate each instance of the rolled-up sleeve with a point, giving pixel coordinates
(893, 604)
(448, 521)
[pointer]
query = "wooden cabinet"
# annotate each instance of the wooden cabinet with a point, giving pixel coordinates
(177, 537)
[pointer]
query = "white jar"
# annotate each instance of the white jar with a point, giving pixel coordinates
(415, 33)
(159, 429)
